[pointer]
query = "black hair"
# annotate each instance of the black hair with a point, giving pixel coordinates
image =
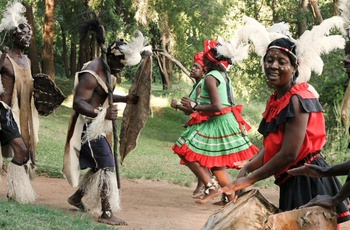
(289, 45)
(213, 66)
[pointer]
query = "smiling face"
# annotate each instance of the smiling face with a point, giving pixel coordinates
(21, 38)
(278, 68)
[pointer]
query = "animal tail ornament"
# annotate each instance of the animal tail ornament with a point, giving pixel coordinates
(310, 45)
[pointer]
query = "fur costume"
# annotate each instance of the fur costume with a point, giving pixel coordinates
(91, 185)
(23, 108)
(18, 184)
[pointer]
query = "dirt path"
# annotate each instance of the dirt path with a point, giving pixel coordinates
(145, 204)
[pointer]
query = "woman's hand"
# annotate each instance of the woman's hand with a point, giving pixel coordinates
(307, 170)
(238, 184)
(174, 103)
(186, 101)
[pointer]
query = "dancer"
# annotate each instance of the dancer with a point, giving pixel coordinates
(197, 73)
(216, 136)
(19, 122)
(87, 145)
(294, 133)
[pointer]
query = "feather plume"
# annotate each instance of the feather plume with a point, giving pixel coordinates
(344, 6)
(230, 49)
(13, 16)
(134, 49)
(312, 43)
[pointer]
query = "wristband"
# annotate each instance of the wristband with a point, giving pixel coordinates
(193, 105)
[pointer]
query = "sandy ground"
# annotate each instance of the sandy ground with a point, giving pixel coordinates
(155, 205)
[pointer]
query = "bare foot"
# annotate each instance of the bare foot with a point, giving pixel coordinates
(212, 194)
(79, 204)
(108, 217)
(199, 187)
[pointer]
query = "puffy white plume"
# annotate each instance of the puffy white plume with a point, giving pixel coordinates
(230, 49)
(134, 49)
(315, 42)
(344, 6)
(13, 16)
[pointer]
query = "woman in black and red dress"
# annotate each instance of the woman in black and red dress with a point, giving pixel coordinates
(294, 133)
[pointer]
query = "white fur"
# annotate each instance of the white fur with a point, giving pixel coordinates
(92, 183)
(98, 127)
(18, 186)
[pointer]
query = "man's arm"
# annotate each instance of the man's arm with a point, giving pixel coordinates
(83, 95)
(129, 99)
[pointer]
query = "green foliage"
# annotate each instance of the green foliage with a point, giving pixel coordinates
(332, 83)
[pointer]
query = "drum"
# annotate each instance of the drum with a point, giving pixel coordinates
(252, 211)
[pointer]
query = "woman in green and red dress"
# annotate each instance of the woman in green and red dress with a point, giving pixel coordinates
(216, 135)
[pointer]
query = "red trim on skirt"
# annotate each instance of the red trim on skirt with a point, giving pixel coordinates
(215, 161)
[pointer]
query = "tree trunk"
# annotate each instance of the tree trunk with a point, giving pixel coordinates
(275, 12)
(84, 52)
(336, 11)
(48, 58)
(345, 105)
(33, 48)
(73, 57)
(302, 24)
(316, 13)
(64, 50)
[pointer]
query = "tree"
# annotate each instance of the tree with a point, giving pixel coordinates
(33, 48)
(48, 60)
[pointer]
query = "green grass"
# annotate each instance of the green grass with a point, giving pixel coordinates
(15, 216)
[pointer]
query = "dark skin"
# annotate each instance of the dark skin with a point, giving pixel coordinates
(315, 171)
(197, 73)
(201, 172)
(89, 95)
(279, 73)
(20, 41)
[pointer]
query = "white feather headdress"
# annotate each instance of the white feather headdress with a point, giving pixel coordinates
(310, 45)
(133, 50)
(13, 16)
(344, 6)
